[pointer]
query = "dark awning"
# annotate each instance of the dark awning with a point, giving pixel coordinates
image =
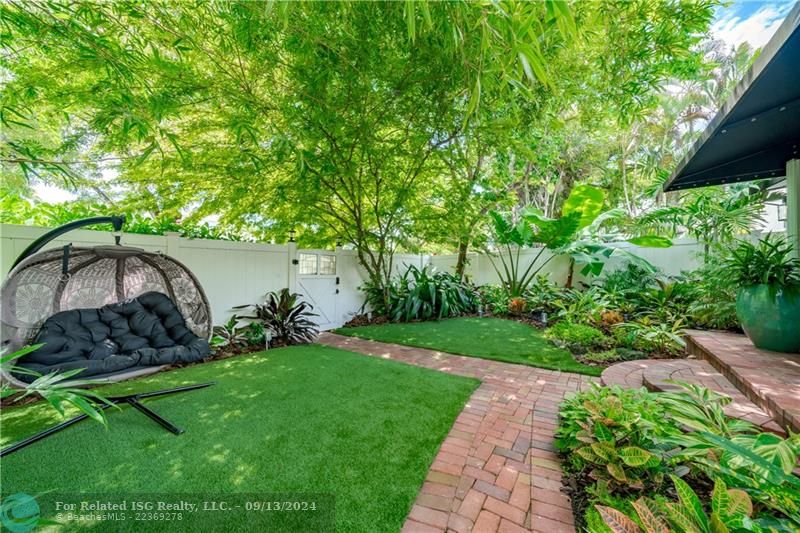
(758, 129)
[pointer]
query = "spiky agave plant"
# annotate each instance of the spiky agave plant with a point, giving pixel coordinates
(286, 316)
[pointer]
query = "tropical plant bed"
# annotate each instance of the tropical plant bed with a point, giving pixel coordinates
(488, 338)
(296, 420)
(656, 462)
(585, 351)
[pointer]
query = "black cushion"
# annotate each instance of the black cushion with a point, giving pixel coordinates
(148, 330)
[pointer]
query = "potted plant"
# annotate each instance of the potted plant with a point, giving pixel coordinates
(768, 301)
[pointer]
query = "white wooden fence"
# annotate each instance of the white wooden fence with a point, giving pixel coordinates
(683, 255)
(235, 273)
(232, 273)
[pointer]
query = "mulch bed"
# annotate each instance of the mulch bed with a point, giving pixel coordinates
(365, 320)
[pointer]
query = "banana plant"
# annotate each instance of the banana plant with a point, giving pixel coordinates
(592, 247)
(573, 234)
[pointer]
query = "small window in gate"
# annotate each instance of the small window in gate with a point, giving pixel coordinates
(308, 264)
(327, 265)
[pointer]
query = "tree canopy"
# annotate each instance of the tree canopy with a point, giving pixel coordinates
(383, 125)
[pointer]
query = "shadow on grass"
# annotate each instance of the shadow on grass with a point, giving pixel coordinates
(299, 420)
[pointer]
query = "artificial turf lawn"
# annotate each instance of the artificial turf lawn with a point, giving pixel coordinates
(304, 419)
(488, 338)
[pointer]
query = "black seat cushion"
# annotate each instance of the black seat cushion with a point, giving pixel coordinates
(148, 330)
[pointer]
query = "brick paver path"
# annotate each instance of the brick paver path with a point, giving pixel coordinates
(497, 469)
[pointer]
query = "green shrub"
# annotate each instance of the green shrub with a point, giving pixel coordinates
(730, 510)
(582, 307)
(613, 434)
(576, 411)
(422, 294)
(231, 336)
(769, 262)
(613, 355)
(622, 288)
(712, 294)
(607, 356)
(666, 302)
(283, 316)
(624, 338)
(661, 338)
(578, 338)
(630, 279)
(494, 299)
(542, 295)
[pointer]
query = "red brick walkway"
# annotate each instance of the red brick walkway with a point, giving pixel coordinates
(497, 469)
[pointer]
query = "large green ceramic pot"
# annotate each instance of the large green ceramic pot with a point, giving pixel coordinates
(770, 316)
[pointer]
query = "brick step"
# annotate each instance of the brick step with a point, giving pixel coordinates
(769, 379)
(657, 374)
(660, 377)
(629, 375)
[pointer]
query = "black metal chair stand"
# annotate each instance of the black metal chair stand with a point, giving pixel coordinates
(130, 399)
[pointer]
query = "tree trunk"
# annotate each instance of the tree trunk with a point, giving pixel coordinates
(461, 263)
(570, 273)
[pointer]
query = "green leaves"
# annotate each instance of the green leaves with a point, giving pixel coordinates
(769, 262)
(583, 205)
(284, 316)
(759, 466)
(690, 503)
(586, 200)
(634, 456)
(782, 452)
(57, 389)
(422, 294)
(738, 502)
(651, 241)
(730, 510)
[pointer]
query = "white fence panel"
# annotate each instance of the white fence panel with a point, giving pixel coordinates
(235, 273)
(232, 273)
(480, 271)
(683, 255)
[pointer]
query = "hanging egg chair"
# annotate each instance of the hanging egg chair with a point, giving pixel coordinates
(44, 285)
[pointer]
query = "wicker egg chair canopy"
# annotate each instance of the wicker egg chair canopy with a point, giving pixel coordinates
(72, 277)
